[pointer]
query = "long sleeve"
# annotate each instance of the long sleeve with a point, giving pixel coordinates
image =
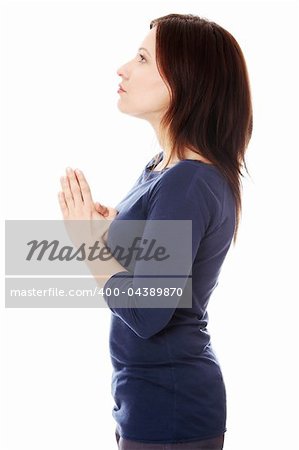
(167, 383)
(178, 195)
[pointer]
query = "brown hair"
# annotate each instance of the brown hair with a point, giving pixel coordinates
(210, 109)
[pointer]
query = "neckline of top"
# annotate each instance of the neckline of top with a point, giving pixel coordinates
(149, 166)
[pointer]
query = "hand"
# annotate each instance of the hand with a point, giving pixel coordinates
(76, 203)
(106, 211)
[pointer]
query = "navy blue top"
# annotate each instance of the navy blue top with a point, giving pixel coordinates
(167, 383)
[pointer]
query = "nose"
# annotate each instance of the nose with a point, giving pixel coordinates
(123, 71)
(120, 72)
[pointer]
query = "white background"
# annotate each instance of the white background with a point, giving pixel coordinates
(59, 108)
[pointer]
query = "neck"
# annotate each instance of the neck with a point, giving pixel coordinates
(188, 153)
(165, 146)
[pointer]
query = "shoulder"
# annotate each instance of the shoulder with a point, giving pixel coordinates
(190, 179)
(190, 190)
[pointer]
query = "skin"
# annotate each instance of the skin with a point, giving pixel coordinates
(76, 203)
(146, 97)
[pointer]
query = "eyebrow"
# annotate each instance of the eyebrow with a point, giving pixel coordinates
(142, 48)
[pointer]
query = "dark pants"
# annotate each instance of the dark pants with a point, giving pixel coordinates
(209, 444)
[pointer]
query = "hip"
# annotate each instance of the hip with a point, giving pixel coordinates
(215, 443)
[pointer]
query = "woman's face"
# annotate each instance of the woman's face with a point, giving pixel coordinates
(146, 95)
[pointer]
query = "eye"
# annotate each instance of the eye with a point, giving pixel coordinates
(142, 57)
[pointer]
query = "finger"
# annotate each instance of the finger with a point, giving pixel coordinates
(74, 187)
(63, 204)
(67, 192)
(101, 208)
(84, 186)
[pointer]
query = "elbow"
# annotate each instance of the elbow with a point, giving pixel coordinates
(144, 335)
(146, 332)
(147, 324)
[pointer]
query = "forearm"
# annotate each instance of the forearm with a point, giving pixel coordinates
(101, 269)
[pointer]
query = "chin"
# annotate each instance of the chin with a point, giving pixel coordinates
(135, 114)
(121, 108)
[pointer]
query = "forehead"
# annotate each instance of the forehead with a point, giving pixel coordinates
(149, 42)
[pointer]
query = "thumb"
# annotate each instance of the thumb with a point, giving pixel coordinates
(102, 209)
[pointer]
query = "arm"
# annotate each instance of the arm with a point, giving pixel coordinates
(174, 197)
(78, 208)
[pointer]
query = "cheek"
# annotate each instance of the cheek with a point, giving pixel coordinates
(146, 94)
(157, 94)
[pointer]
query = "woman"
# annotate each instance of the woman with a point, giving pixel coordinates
(189, 81)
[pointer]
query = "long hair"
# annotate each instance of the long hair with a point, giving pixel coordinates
(210, 110)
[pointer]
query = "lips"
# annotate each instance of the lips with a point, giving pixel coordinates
(120, 87)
